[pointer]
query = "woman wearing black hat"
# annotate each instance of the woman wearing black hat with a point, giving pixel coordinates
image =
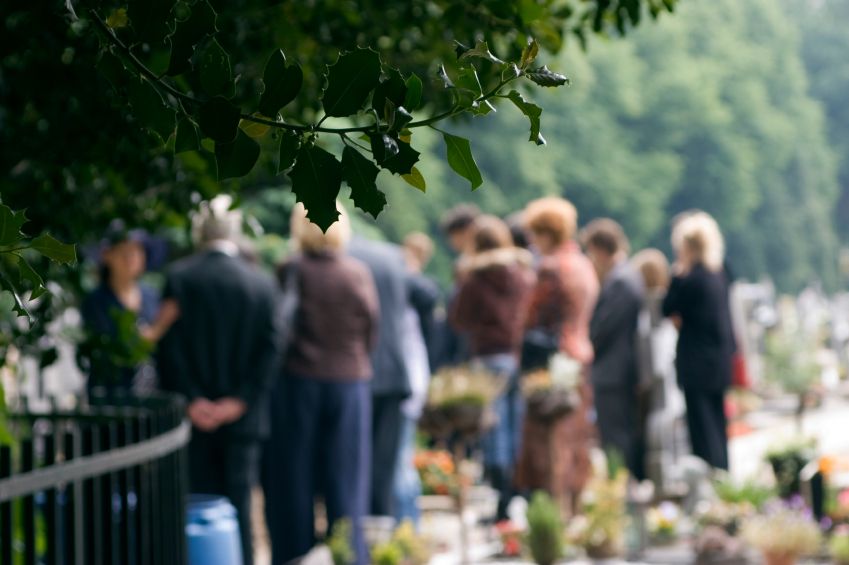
(122, 315)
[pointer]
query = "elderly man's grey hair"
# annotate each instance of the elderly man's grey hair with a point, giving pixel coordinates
(216, 221)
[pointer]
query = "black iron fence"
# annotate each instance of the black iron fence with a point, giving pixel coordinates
(100, 485)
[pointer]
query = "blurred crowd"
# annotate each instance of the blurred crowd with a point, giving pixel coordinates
(311, 383)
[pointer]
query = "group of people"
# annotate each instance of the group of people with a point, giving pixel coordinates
(311, 385)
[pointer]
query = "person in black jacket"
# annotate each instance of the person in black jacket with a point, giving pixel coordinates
(613, 332)
(222, 354)
(698, 302)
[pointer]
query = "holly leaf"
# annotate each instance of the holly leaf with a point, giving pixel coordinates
(117, 19)
(383, 146)
(392, 154)
(219, 119)
(282, 84)
(361, 173)
(187, 138)
(545, 77)
(480, 51)
(392, 88)
(316, 180)
(18, 305)
(236, 158)
(150, 18)
(468, 89)
(349, 82)
(460, 159)
(216, 76)
(413, 97)
(54, 249)
(149, 109)
(11, 223)
(255, 129)
(529, 53)
(26, 272)
(189, 32)
(532, 111)
(415, 179)
(400, 119)
(290, 142)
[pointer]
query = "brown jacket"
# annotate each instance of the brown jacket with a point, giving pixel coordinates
(336, 322)
(492, 300)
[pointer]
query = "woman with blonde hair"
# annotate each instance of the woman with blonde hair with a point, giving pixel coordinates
(555, 454)
(321, 416)
(697, 301)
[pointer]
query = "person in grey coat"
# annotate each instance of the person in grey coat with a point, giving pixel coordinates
(613, 332)
(390, 384)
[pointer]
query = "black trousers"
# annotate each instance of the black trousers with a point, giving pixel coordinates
(387, 421)
(223, 465)
(708, 426)
(619, 425)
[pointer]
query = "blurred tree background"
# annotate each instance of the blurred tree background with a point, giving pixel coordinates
(734, 107)
(737, 108)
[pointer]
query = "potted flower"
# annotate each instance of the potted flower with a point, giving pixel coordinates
(839, 546)
(783, 534)
(787, 461)
(662, 522)
(552, 392)
(459, 401)
(600, 527)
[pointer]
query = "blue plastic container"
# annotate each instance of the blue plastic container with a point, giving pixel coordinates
(212, 531)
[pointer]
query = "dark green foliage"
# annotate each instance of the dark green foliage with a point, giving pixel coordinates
(545, 529)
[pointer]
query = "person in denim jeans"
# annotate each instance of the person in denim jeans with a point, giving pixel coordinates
(495, 282)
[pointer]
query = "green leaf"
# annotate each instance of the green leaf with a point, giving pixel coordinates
(481, 51)
(11, 223)
(393, 154)
(26, 272)
(361, 173)
(187, 138)
(149, 109)
(189, 33)
(468, 89)
(383, 146)
(532, 111)
(392, 88)
(401, 118)
(18, 305)
(54, 249)
(113, 69)
(349, 82)
(545, 77)
(216, 77)
(529, 53)
(219, 119)
(414, 93)
(237, 158)
(316, 180)
(117, 19)
(149, 19)
(415, 179)
(282, 84)
(290, 142)
(255, 129)
(460, 159)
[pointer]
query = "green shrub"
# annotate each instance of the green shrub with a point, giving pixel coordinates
(545, 529)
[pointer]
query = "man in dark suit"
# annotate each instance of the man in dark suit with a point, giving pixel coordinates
(391, 382)
(221, 354)
(613, 331)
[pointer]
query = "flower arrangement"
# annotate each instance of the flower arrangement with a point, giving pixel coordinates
(458, 398)
(437, 472)
(839, 545)
(788, 460)
(662, 522)
(783, 533)
(553, 392)
(600, 527)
